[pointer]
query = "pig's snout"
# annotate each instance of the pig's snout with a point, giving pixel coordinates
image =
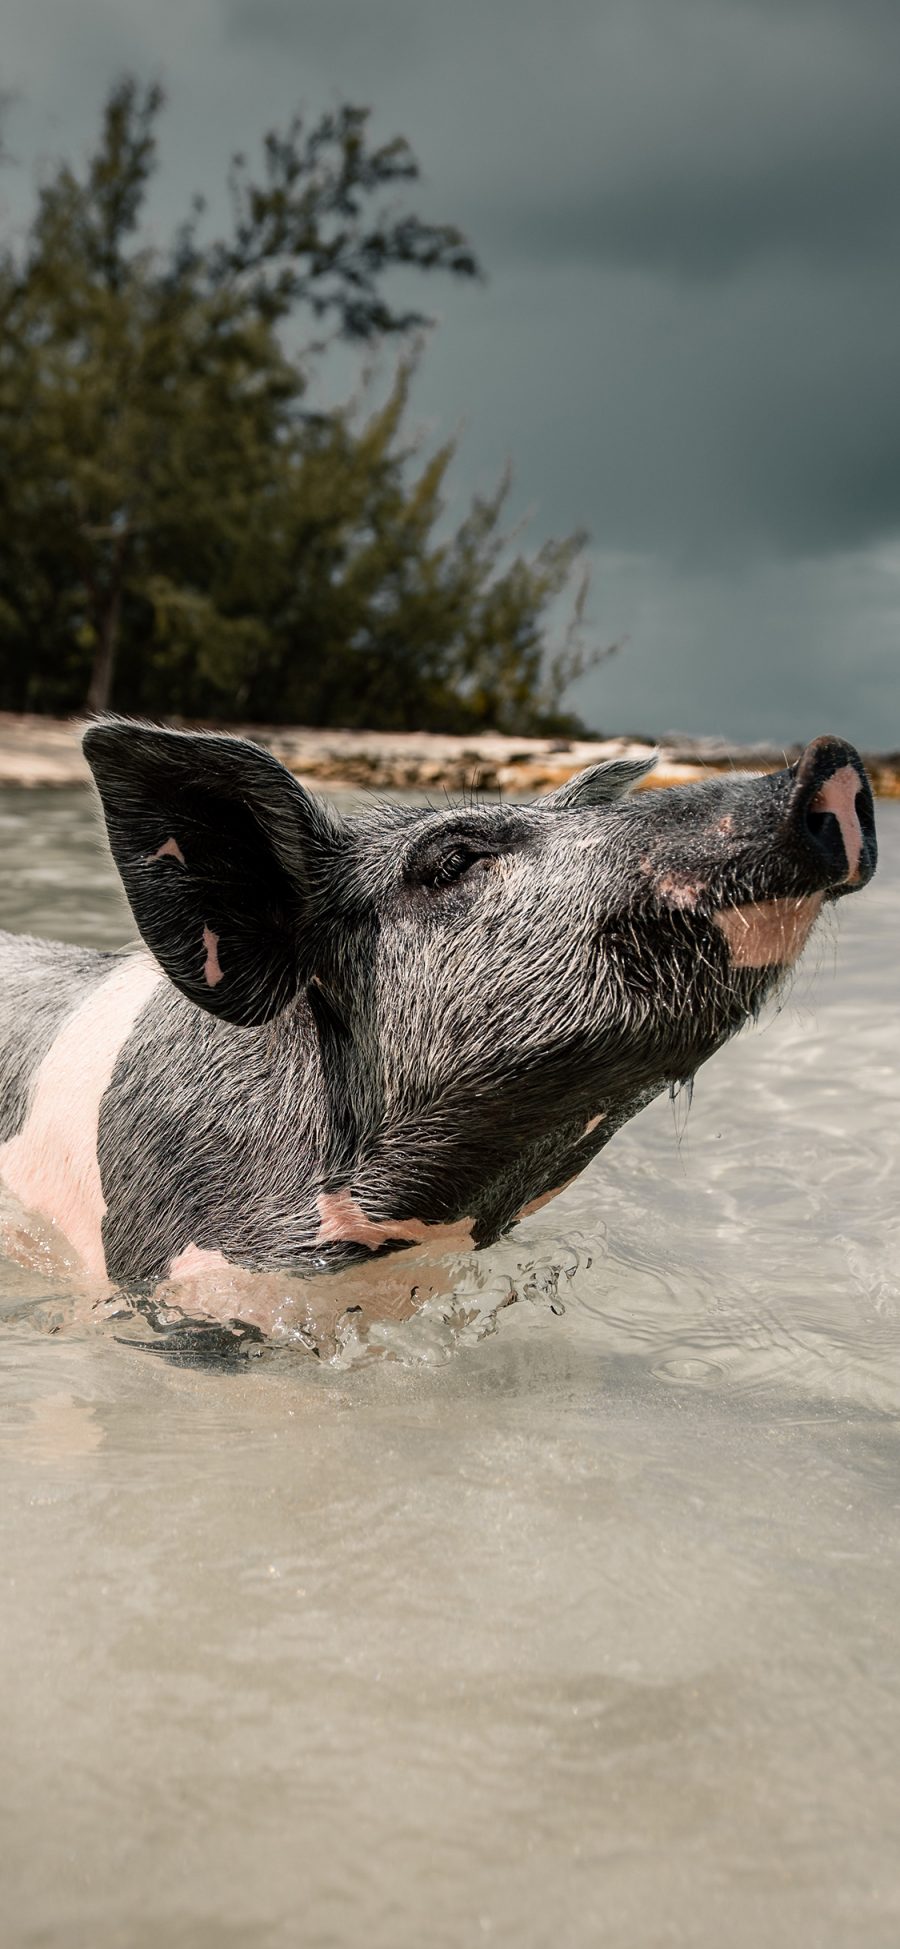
(832, 815)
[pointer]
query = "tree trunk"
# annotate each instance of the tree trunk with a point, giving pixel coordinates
(99, 696)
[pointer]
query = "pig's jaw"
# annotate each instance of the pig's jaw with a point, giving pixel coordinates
(768, 933)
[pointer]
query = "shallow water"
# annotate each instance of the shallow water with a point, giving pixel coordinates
(582, 1630)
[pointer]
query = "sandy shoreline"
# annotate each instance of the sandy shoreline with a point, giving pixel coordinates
(45, 751)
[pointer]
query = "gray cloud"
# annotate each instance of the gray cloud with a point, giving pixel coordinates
(778, 652)
(688, 342)
(691, 136)
(690, 209)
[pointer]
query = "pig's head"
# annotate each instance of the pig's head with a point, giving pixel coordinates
(492, 989)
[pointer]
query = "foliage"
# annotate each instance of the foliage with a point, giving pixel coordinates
(179, 533)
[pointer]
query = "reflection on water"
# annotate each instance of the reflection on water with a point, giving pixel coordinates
(573, 1621)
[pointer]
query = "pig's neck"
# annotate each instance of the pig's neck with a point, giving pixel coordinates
(273, 1148)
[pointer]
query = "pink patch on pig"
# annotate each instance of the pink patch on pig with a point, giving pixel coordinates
(211, 968)
(593, 1122)
(769, 934)
(546, 1198)
(195, 1262)
(679, 892)
(343, 1221)
(51, 1165)
(838, 796)
(169, 850)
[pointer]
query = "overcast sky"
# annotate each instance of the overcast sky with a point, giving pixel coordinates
(689, 339)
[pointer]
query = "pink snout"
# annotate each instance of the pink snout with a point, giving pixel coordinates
(839, 795)
(832, 813)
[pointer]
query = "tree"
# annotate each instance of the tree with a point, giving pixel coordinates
(180, 533)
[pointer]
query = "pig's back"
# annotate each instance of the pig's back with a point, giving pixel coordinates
(41, 984)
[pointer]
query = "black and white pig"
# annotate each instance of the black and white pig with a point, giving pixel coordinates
(343, 1037)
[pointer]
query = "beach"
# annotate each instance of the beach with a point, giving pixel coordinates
(37, 751)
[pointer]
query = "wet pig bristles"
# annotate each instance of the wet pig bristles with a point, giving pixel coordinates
(340, 1038)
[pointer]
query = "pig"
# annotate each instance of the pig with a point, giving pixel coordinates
(341, 1038)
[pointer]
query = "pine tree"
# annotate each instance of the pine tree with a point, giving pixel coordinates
(179, 533)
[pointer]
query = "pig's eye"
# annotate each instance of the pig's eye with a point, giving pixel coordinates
(454, 866)
(447, 867)
(450, 856)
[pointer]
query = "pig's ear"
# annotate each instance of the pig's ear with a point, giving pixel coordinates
(221, 854)
(599, 784)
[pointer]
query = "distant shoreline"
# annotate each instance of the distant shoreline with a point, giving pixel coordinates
(38, 752)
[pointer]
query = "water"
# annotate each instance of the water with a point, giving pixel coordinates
(583, 1630)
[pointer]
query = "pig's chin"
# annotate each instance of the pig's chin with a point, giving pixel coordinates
(768, 933)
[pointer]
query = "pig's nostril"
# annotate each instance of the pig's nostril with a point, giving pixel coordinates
(824, 831)
(824, 835)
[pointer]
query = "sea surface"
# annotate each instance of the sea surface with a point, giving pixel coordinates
(573, 1621)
